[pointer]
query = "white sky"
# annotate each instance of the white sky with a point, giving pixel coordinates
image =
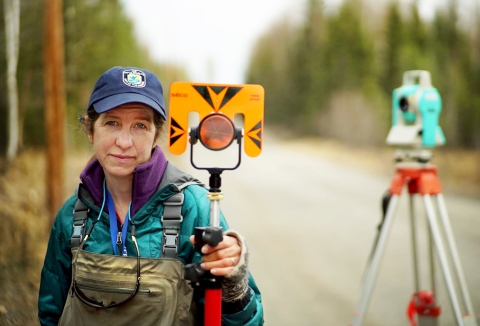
(213, 39)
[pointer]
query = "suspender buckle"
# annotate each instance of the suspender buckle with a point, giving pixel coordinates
(170, 242)
(77, 236)
(171, 220)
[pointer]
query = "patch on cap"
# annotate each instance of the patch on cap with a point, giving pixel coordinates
(134, 78)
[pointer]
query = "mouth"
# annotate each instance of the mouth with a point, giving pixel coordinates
(122, 158)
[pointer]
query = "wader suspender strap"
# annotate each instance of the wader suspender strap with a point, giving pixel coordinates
(80, 213)
(171, 219)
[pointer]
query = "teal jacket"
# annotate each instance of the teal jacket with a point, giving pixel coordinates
(56, 271)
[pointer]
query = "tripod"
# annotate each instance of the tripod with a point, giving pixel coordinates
(420, 177)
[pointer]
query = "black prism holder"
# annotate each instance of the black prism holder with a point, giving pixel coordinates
(218, 137)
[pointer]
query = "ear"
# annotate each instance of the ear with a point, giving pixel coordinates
(90, 138)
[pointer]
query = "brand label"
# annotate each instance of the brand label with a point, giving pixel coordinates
(134, 78)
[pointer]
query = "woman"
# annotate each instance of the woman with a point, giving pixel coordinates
(128, 266)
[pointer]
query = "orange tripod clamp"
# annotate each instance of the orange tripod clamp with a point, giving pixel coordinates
(423, 180)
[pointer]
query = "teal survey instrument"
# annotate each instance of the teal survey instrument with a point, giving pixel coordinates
(416, 107)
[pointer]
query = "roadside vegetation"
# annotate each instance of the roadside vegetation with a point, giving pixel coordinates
(24, 231)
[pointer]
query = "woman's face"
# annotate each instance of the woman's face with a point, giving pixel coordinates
(123, 138)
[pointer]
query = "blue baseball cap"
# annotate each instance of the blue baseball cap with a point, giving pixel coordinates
(122, 85)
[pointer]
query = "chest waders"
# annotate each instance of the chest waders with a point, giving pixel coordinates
(117, 290)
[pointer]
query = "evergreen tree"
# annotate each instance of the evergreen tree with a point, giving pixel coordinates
(268, 67)
(394, 40)
(3, 87)
(446, 38)
(415, 51)
(349, 57)
(30, 73)
(474, 76)
(306, 71)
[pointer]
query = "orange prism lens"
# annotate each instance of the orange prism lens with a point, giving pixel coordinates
(216, 132)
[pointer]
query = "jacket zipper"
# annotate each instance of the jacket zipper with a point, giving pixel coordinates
(119, 243)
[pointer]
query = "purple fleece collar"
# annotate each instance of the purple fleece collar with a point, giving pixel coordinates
(146, 179)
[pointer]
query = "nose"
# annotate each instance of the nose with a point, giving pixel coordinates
(124, 139)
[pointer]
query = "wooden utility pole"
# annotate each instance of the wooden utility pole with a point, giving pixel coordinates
(54, 103)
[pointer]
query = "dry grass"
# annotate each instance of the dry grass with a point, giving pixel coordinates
(460, 170)
(23, 215)
(25, 222)
(24, 232)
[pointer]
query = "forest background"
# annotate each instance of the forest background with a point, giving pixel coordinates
(328, 76)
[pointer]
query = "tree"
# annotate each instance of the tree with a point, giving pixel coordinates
(474, 73)
(268, 67)
(394, 40)
(306, 70)
(12, 31)
(31, 75)
(416, 51)
(349, 58)
(287, 61)
(448, 46)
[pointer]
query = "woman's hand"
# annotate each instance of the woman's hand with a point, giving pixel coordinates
(230, 259)
(222, 259)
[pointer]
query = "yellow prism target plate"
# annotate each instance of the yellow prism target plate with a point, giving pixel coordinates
(246, 99)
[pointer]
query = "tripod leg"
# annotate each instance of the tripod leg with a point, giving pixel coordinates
(414, 244)
(456, 260)
(417, 302)
(423, 302)
(372, 269)
(432, 262)
(437, 238)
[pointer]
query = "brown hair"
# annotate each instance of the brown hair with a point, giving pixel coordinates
(88, 121)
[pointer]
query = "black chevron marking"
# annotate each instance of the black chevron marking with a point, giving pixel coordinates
(175, 124)
(217, 89)
(174, 139)
(256, 142)
(203, 91)
(231, 92)
(257, 126)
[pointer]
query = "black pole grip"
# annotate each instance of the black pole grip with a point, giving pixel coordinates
(212, 235)
(193, 272)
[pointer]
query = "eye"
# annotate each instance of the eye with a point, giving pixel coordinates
(111, 123)
(140, 126)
